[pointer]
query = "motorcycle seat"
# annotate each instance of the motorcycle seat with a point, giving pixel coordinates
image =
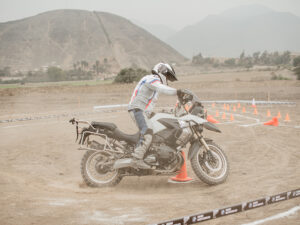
(104, 125)
(131, 138)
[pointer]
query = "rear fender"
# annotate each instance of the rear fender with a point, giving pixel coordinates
(195, 145)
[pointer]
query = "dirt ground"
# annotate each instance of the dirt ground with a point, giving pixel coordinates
(40, 181)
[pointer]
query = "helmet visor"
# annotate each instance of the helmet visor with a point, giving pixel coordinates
(171, 74)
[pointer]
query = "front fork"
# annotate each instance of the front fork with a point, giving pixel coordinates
(201, 140)
(206, 152)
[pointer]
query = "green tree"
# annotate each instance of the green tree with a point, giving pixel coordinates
(242, 59)
(229, 62)
(129, 75)
(264, 58)
(56, 74)
(296, 64)
(255, 57)
(296, 61)
(245, 61)
(5, 72)
(84, 65)
(198, 59)
(286, 57)
(97, 67)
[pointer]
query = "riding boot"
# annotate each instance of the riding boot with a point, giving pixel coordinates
(140, 151)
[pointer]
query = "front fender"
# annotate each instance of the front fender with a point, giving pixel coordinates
(195, 145)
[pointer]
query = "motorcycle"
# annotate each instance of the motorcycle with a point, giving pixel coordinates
(108, 150)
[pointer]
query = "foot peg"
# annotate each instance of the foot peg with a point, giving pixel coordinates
(129, 162)
(140, 164)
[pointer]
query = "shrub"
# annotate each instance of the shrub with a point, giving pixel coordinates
(229, 62)
(297, 72)
(129, 75)
(278, 77)
(296, 61)
(296, 64)
(56, 74)
(12, 81)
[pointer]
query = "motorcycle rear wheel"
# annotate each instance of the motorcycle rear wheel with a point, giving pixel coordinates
(213, 170)
(94, 174)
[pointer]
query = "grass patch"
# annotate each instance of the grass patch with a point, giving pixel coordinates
(4, 86)
(278, 77)
(61, 83)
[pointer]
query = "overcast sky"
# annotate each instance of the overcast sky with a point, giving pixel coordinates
(173, 13)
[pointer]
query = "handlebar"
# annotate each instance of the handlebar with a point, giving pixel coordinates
(185, 96)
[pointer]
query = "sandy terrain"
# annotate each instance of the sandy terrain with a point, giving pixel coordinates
(40, 181)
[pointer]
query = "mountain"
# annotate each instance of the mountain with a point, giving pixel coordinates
(246, 28)
(160, 31)
(63, 37)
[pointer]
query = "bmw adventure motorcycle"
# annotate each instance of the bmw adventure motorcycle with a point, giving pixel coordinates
(108, 150)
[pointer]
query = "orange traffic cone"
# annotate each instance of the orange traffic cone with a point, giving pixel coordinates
(268, 113)
(287, 118)
(273, 122)
(182, 175)
(209, 118)
(231, 117)
(239, 105)
(217, 113)
(234, 108)
(255, 111)
(244, 110)
(224, 116)
(278, 115)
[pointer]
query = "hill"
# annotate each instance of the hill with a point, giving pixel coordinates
(249, 27)
(63, 37)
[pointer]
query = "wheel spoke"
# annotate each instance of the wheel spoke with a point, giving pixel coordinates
(93, 169)
(215, 165)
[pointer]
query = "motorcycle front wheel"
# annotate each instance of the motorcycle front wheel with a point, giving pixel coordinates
(211, 167)
(96, 173)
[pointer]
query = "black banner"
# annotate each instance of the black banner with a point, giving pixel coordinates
(255, 204)
(201, 217)
(278, 198)
(198, 218)
(229, 210)
(295, 193)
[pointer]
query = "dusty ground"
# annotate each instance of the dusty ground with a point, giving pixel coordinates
(40, 181)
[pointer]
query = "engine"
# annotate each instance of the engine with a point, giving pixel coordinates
(165, 153)
(161, 155)
(183, 136)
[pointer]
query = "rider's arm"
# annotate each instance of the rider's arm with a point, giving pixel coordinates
(156, 85)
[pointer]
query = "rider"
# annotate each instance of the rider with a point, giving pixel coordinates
(142, 102)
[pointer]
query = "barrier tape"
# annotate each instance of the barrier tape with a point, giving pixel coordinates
(216, 213)
(212, 101)
(53, 116)
(107, 107)
(104, 108)
(250, 102)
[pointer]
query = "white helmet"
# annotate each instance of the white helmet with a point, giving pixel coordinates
(165, 72)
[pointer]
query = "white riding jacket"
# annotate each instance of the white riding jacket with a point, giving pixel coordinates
(146, 93)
